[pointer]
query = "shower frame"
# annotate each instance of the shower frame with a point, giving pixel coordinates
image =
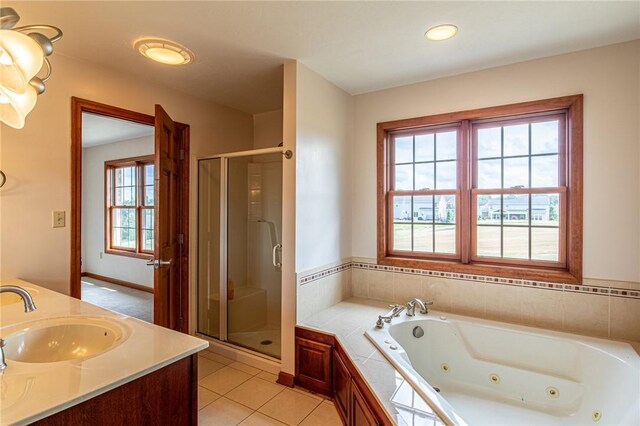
(224, 221)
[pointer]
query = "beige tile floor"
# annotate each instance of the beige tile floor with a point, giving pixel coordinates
(234, 393)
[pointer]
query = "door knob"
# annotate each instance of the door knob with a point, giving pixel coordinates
(156, 263)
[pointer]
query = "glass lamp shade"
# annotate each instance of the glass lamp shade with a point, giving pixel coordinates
(21, 59)
(14, 106)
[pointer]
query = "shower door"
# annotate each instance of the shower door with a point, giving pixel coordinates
(239, 256)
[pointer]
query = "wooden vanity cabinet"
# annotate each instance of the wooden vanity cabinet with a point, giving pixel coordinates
(356, 404)
(168, 396)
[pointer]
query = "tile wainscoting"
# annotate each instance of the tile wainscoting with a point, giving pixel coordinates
(322, 288)
(600, 308)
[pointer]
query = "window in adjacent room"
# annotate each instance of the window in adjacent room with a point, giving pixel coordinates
(130, 206)
(494, 191)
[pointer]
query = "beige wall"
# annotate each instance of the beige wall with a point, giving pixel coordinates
(609, 78)
(94, 259)
(323, 171)
(37, 161)
(267, 129)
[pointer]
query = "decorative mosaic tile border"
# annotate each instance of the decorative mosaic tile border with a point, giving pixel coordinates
(588, 289)
(324, 273)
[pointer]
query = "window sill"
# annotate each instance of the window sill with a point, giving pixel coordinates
(514, 272)
(146, 256)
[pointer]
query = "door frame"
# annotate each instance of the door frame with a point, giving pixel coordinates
(78, 106)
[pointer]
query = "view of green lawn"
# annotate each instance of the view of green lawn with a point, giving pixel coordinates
(544, 241)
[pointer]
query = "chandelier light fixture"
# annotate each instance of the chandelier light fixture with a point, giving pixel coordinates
(24, 52)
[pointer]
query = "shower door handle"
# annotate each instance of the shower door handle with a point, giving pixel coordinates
(274, 256)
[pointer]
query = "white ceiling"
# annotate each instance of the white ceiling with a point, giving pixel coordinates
(100, 130)
(360, 46)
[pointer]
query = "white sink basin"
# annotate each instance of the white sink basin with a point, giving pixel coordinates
(64, 339)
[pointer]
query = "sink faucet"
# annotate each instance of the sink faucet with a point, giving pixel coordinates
(29, 306)
(411, 306)
(395, 311)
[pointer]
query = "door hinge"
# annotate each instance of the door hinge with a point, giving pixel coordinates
(181, 154)
(180, 238)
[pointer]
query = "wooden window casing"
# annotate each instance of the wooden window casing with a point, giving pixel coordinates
(455, 192)
(140, 205)
(566, 268)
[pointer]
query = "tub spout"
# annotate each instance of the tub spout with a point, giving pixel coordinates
(411, 306)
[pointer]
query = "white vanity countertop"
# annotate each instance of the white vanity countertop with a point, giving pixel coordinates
(348, 321)
(32, 391)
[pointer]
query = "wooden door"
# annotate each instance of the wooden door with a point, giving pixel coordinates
(166, 303)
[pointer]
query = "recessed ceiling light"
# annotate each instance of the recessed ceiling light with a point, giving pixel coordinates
(441, 32)
(164, 51)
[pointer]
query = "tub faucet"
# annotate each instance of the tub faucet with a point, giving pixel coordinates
(29, 306)
(411, 306)
(395, 311)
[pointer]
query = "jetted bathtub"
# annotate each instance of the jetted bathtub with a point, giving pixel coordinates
(481, 372)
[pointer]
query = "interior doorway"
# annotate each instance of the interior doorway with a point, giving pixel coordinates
(129, 215)
(118, 158)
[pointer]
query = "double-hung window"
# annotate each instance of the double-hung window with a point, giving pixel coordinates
(130, 193)
(494, 191)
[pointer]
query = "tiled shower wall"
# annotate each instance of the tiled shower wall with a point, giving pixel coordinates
(600, 308)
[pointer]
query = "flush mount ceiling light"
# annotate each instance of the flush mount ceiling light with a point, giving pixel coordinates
(164, 51)
(441, 32)
(23, 52)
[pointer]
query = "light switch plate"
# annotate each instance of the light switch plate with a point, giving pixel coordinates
(58, 219)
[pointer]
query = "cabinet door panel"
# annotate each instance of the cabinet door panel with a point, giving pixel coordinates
(341, 387)
(361, 414)
(313, 365)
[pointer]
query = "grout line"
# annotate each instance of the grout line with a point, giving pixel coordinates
(230, 390)
(209, 403)
(269, 400)
(321, 400)
(311, 412)
(244, 418)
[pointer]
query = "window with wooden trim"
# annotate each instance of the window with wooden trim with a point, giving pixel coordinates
(130, 196)
(494, 191)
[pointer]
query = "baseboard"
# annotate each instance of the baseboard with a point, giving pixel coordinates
(117, 282)
(285, 379)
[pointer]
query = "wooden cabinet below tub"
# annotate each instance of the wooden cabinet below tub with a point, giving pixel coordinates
(341, 387)
(361, 413)
(323, 366)
(313, 365)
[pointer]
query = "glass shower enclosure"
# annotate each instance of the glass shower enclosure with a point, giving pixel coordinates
(239, 249)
